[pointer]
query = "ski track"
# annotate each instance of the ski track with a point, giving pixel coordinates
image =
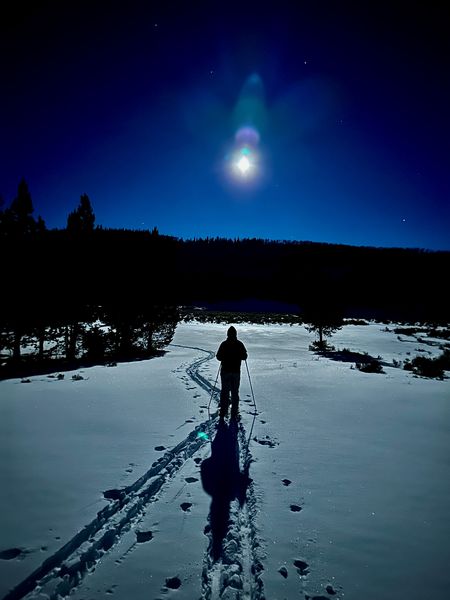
(235, 576)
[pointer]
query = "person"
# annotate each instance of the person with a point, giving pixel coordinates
(231, 353)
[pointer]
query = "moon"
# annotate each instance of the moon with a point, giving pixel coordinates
(243, 165)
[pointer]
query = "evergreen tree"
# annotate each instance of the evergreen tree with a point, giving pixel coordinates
(82, 219)
(18, 219)
(323, 323)
(40, 225)
(322, 313)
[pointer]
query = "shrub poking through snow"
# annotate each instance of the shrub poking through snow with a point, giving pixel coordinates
(373, 366)
(429, 367)
(321, 346)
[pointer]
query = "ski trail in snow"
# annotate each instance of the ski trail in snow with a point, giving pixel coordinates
(64, 570)
(236, 573)
(61, 573)
(192, 370)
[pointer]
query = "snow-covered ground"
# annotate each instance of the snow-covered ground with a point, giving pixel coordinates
(347, 492)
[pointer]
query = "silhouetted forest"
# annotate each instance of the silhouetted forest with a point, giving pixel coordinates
(86, 293)
(385, 283)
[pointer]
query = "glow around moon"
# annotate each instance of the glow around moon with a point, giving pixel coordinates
(245, 162)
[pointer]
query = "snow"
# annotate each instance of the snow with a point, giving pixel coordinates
(366, 456)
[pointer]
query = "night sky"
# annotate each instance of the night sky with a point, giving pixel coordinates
(320, 121)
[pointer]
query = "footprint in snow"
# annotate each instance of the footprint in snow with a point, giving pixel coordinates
(302, 567)
(266, 442)
(143, 536)
(114, 494)
(12, 553)
(173, 583)
(283, 571)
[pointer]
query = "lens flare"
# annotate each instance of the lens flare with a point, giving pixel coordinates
(244, 160)
(247, 135)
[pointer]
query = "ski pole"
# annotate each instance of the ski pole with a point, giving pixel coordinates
(251, 387)
(247, 461)
(214, 388)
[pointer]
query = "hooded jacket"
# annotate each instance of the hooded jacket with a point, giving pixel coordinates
(231, 352)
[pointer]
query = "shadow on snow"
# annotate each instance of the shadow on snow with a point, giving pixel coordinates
(223, 480)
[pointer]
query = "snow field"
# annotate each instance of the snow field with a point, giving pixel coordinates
(349, 472)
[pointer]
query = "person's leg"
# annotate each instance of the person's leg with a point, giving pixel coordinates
(224, 394)
(235, 381)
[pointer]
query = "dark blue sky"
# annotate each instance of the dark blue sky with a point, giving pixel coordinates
(138, 104)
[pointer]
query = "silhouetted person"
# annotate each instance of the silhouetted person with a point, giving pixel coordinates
(231, 353)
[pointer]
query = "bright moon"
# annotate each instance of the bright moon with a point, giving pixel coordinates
(243, 165)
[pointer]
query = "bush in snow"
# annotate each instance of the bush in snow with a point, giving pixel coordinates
(373, 366)
(321, 346)
(430, 367)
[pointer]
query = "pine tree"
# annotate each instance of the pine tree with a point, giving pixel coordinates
(322, 313)
(82, 219)
(18, 219)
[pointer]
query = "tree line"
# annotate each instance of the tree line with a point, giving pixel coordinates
(80, 294)
(94, 293)
(367, 282)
